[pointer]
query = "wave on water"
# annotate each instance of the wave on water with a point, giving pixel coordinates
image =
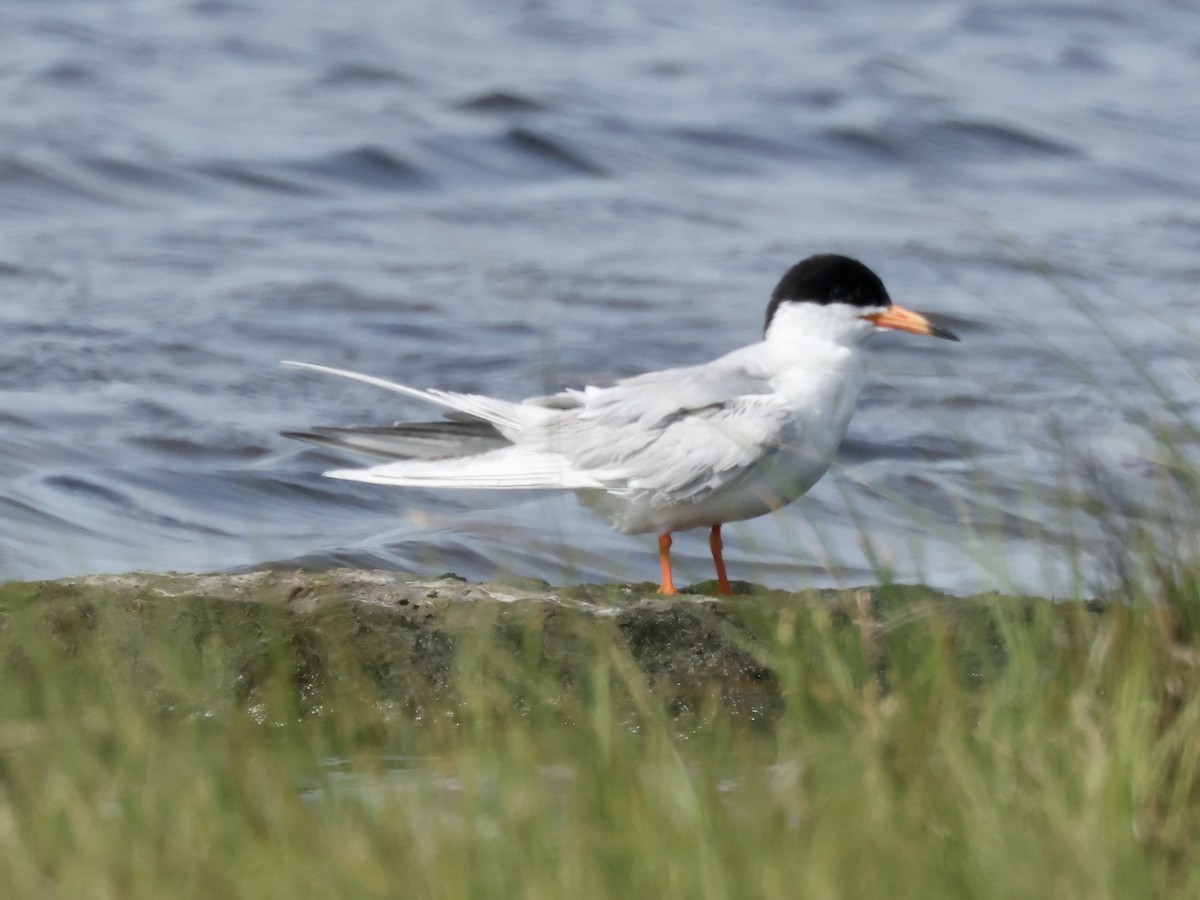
(513, 200)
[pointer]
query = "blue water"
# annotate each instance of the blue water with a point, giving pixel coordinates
(509, 197)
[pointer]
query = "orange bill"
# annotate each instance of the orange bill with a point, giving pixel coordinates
(901, 319)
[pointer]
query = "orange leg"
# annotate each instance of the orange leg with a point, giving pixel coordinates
(717, 545)
(664, 557)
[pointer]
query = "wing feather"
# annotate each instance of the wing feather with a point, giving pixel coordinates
(665, 437)
(406, 440)
(511, 468)
(694, 453)
(680, 434)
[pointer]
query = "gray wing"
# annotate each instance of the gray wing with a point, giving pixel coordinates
(655, 395)
(679, 434)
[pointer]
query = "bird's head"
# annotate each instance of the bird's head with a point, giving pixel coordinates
(840, 299)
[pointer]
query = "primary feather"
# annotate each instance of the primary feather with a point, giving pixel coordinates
(512, 468)
(409, 440)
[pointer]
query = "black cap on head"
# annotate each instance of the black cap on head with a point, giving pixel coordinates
(830, 278)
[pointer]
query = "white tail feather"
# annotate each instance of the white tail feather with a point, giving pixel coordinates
(506, 416)
(508, 469)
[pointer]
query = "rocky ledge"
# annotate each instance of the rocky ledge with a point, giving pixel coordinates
(419, 637)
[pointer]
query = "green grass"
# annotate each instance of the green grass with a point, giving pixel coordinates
(898, 744)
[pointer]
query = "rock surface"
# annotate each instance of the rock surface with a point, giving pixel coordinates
(416, 637)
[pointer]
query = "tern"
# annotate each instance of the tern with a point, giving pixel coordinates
(665, 451)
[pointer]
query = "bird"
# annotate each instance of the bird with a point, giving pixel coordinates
(671, 450)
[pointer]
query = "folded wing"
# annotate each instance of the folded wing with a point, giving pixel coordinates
(671, 436)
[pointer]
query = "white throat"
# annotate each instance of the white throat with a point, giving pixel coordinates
(837, 323)
(816, 336)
